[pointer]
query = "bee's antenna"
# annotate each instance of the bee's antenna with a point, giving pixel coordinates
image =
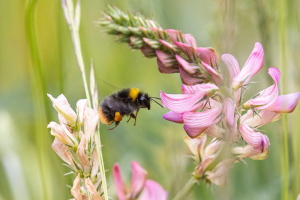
(156, 102)
(155, 98)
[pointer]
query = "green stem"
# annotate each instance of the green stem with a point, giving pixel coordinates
(283, 68)
(41, 110)
(186, 190)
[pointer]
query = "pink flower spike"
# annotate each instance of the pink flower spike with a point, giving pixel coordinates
(190, 40)
(153, 191)
(191, 69)
(197, 122)
(256, 139)
(208, 55)
(284, 103)
(139, 176)
(189, 51)
(120, 186)
(218, 78)
(180, 102)
(252, 66)
(232, 66)
(267, 96)
(191, 89)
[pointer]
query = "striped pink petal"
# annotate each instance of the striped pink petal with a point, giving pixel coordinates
(189, 79)
(153, 191)
(189, 67)
(174, 35)
(229, 110)
(264, 118)
(215, 131)
(188, 50)
(139, 176)
(284, 103)
(166, 70)
(256, 139)
(208, 55)
(168, 45)
(191, 89)
(232, 66)
(218, 78)
(197, 122)
(190, 40)
(267, 96)
(180, 102)
(120, 186)
(252, 66)
(166, 59)
(174, 117)
(148, 51)
(250, 151)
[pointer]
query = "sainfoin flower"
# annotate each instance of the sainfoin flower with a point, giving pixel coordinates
(72, 140)
(206, 110)
(141, 187)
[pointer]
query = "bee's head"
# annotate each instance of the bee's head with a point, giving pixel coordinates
(145, 101)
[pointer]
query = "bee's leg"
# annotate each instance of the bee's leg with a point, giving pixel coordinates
(129, 117)
(137, 111)
(116, 124)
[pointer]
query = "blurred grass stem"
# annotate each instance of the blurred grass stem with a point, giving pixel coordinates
(41, 110)
(73, 20)
(186, 190)
(283, 84)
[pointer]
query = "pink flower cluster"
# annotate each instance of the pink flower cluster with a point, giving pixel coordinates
(218, 110)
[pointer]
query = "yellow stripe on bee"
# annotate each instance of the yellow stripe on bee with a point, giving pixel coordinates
(118, 117)
(133, 93)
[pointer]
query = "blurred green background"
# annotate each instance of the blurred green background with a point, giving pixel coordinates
(227, 25)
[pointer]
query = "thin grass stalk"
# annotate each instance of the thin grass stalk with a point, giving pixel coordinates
(283, 84)
(41, 111)
(74, 29)
(186, 190)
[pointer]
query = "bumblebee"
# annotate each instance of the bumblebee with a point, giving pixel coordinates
(123, 102)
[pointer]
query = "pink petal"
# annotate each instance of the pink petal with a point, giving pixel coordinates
(218, 78)
(189, 51)
(59, 132)
(80, 107)
(232, 66)
(189, 67)
(166, 70)
(256, 139)
(75, 191)
(197, 122)
(174, 35)
(188, 78)
(219, 175)
(190, 40)
(199, 170)
(212, 147)
(180, 102)
(208, 55)
(139, 176)
(250, 151)
(215, 131)
(284, 103)
(63, 107)
(264, 118)
(166, 59)
(120, 186)
(153, 191)
(196, 145)
(267, 96)
(252, 66)
(91, 120)
(168, 45)
(148, 51)
(191, 89)
(229, 111)
(174, 117)
(158, 32)
(82, 157)
(92, 190)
